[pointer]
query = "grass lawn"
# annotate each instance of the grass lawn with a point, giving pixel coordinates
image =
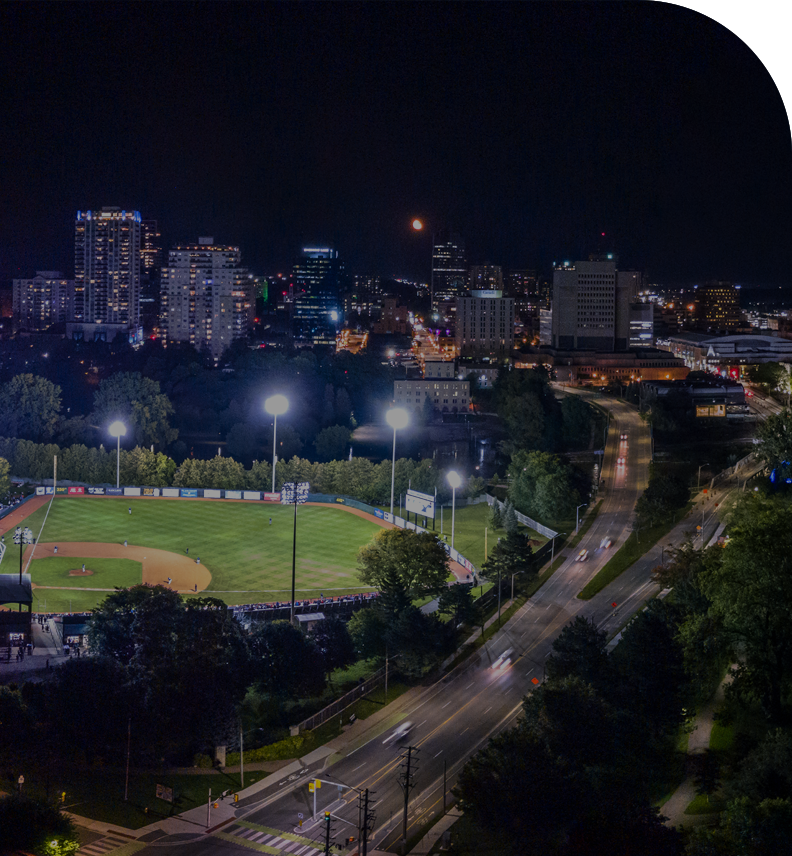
(636, 545)
(107, 573)
(721, 737)
(701, 804)
(249, 559)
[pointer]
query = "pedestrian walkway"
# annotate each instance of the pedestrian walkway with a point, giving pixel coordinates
(431, 838)
(114, 844)
(267, 840)
(698, 743)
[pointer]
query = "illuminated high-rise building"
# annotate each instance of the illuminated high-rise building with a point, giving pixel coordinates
(317, 296)
(486, 278)
(717, 306)
(449, 268)
(107, 268)
(42, 301)
(207, 298)
(150, 265)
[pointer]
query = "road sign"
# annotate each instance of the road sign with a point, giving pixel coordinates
(164, 793)
(420, 503)
(300, 815)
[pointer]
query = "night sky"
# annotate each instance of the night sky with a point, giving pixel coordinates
(530, 128)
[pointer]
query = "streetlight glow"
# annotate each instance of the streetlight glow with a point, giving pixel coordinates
(118, 430)
(275, 405)
(454, 479)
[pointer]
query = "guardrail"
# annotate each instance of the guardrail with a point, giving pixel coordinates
(339, 705)
(525, 520)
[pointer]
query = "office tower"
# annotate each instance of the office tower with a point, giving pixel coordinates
(107, 268)
(150, 265)
(486, 278)
(42, 301)
(718, 306)
(485, 324)
(521, 282)
(207, 297)
(591, 305)
(317, 299)
(449, 269)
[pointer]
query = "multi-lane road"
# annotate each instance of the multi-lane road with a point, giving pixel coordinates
(456, 716)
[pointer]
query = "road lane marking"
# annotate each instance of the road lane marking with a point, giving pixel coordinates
(446, 705)
(439, 753)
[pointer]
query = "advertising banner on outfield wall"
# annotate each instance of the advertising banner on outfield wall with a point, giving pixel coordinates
(212, 494)
(76, 491)
(151, 491)
(131, 491)
(170, 491)
(114, 491)
(270, 497)
(60, 490)
(251, 494)
(189, 492)
(234, 494)
(39, 491)
(379, 513)
(97, 491)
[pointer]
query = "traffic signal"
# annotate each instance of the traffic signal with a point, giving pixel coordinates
(236, 797)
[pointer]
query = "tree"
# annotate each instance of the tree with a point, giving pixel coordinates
(334, 644)
(418, 640)
(576, 415)
(664, 495)
(457, 600)
(331, 443)
(775, 434)
(511, 555)
(751, 596)
(284, 662)
(496, 517)
(5, 481)
(416, 559)
(747, 829)
(580, 650)
(33, 826)
(30, 407)
(542, 486)
(367, 628)
(138, 402)
(510, 523)
(766, 773)
(528, 408)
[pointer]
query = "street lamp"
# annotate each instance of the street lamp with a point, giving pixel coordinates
(577, 516)
(455, 481)
(418, 226)
(296, 493)
(275, 405)
(698, 478)
(118, 430)
(397, 418)
(22, 537)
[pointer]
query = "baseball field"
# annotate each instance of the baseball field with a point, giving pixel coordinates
(244, 558)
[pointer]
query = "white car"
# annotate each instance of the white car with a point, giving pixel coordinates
(400, 732)
(582, 556)
(504, 661)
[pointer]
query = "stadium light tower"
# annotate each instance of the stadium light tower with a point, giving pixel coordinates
(397, 418)
(455, 481)
(118, 430)
(275, 405)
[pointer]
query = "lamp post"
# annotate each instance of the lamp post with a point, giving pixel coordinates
(397, 418)
(118, 430)
(22, 537)
(577, 516)
(455, 481)
(275, 405)
(698, 478)
(297, 494)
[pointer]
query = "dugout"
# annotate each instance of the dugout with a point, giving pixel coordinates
(15, 624)
(75, 628)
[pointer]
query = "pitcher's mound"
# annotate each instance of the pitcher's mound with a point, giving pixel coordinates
(78, 572)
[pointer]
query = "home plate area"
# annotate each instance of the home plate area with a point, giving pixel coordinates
(267, 840)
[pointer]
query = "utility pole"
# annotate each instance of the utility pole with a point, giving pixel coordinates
(445, 787)
(365, 821)
(407, 784)
(241, 759)
(129, 740)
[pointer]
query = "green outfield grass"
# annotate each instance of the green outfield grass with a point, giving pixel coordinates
(249, 559)
(107, 573)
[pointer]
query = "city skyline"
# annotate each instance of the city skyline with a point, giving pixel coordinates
(337, 124)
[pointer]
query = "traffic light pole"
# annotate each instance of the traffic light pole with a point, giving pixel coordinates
(327, 832)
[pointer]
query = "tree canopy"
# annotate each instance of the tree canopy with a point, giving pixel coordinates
(30, 407)
(415, 561)
(138, 402)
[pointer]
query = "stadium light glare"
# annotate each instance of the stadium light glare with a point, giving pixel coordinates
(455, 480)
(397, 418)
(275, 405)
(118, 430)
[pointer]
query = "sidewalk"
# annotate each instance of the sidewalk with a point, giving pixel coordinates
(435, 833)
(698, 743)
(46, 647)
